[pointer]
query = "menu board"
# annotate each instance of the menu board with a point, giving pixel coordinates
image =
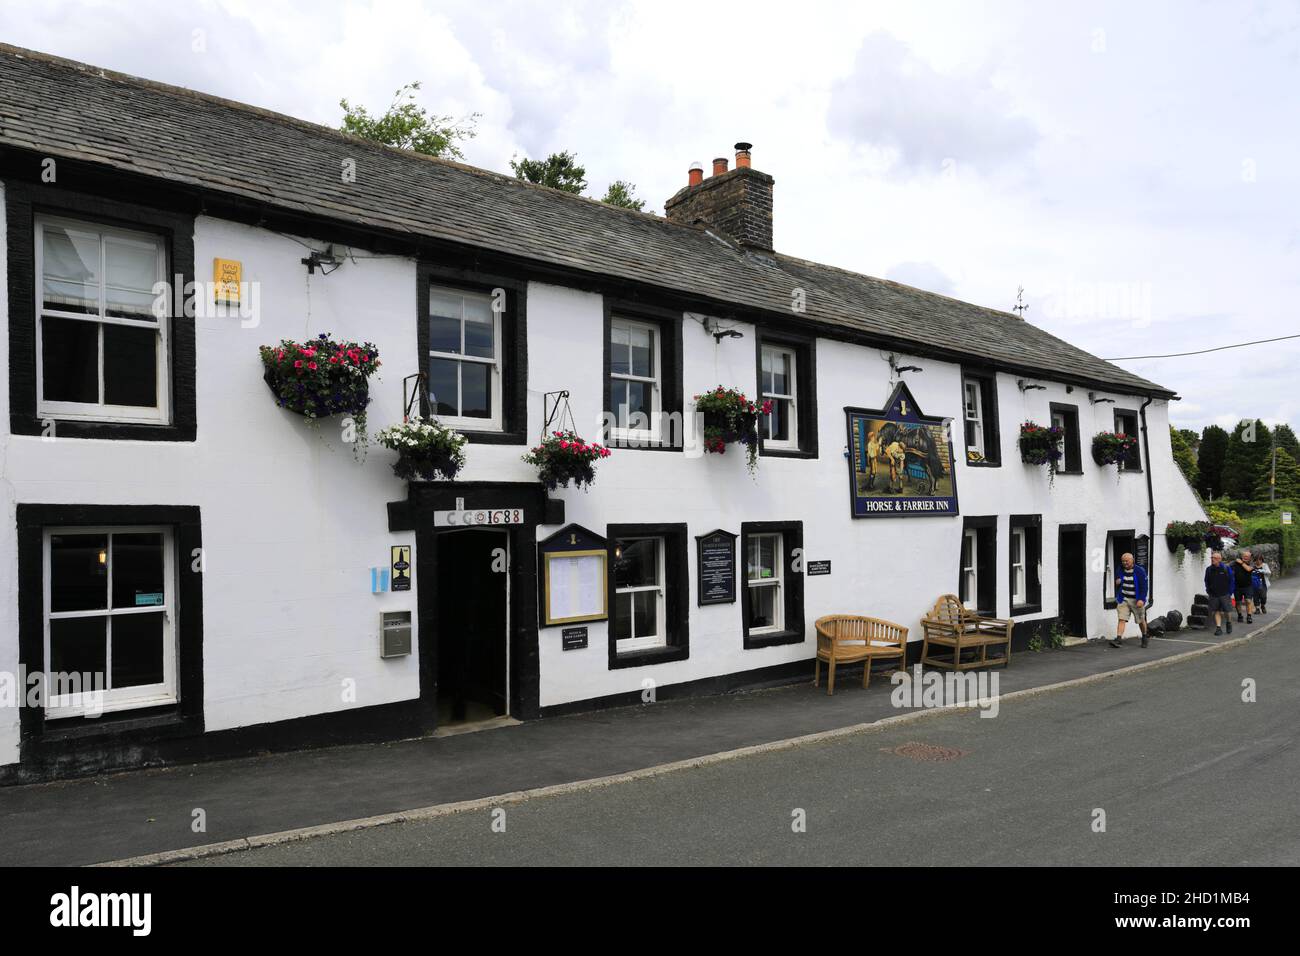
(716, 568)
(575, 586)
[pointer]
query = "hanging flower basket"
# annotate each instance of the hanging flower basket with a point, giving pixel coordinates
(1111, 447)
(563, 457)
(426, 451)
(1191, 535)
(321, 377)
(729, 418)
(1039, 445)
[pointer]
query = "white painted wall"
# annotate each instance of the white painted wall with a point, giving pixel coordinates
(292, 524)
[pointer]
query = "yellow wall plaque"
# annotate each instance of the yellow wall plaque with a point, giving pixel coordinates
(226, 274)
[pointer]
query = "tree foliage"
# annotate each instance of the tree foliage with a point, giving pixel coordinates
(1288, 476)
(1249, 447)
(1183, 454)
(623, 193)
(1209, 461)
(407, 125)
(558, 170)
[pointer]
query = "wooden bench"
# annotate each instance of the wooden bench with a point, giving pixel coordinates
(958, 629)
(849, 638)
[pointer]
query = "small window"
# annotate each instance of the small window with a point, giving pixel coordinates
(1025, 556)
(979, 419)
(763, 576)
(639, 621)
(779, 386)
(635, 396)
(1066, 418)
(103, 353)
(1126, 423)
(464, 359)
(1017, 566)
(109, 613)
(977, 575)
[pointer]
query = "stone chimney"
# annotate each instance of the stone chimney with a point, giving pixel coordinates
(736, 202)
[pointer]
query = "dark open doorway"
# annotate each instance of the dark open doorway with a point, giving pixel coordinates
(1073, 577)
(472, 624)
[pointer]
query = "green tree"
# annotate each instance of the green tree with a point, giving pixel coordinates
(1284, 437)
(1249, 447)
(1288, 476)
(1183, 454)
(559, 171)
(409, 126)
(621, 193)
(1209, 461)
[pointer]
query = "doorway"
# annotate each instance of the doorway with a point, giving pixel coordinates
(1072, 556)
(473, 600)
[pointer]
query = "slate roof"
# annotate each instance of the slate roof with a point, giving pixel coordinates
(66, 109)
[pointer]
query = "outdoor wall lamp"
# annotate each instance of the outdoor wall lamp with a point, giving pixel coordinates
(727, 334)
(1029, 388)
(320, 260)
(909, 368)
(1092, 397)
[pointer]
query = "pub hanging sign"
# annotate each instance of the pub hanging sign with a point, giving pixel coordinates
(900, 461)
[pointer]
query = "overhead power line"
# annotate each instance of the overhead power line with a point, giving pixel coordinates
(1217, 348)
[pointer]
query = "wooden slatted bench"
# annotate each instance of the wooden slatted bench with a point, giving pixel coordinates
(957, 629)
(849, 638)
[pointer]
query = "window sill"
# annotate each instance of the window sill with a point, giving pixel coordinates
(111, 431)
(764, 452)
(1019, 610)
(1071, 471)
(114, 724)
(773, 639)
(983, 464)
(655, 655)
(631, 444)
(494, 437)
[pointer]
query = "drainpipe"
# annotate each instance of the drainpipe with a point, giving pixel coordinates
(1151, 504)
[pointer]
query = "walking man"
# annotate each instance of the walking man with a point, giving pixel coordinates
(1219, 583)
(1131, 598)
(1242, 571)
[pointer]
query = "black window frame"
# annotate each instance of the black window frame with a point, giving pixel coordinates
(1072, 448)
(44, 744)
(1132, 464)
(988, 383)
(677, 601)
(792, 583)
(804, 348)
(1114, 549)
(672, 397)
(24, 203)
(514, 345)
(1033, 559)
(986, 563)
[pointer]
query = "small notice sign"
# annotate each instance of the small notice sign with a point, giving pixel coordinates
(817, 567)
(226, 274)
(1286, 517)
(573, 638)
(401, 567)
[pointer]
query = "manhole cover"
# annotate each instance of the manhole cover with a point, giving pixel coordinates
(917, 751)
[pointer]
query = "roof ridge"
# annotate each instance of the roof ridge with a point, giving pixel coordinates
(317, 128)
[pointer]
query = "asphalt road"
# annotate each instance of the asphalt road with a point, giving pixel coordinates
(1185, 771)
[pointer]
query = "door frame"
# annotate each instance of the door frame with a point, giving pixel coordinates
(1061, 578)
(504, 532)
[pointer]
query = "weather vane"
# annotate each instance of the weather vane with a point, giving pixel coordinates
(1020, 308)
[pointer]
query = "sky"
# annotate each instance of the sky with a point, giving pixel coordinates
(1135, 167)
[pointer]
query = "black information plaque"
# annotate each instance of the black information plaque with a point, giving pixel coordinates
(817, 567)
(1142, 551)
(716, 571)
(573, 638)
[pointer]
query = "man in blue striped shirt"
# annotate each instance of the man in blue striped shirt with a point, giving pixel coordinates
(1131, 598)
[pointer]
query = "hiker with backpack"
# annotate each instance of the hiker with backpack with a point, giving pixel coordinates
(1219, 585)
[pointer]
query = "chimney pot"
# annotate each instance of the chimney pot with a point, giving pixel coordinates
(696, 174)
(720, 165)
(742, 154)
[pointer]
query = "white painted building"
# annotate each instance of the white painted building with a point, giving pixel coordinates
(233, 547)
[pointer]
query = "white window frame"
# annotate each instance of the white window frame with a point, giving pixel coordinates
(777, 353)
(1119, 428)
(98, 411)
(970, 571)
(639, 435)
(493, 423)
(974, 415)
(648, 641)
(127, 698)
(1019, 568)
(777, 581)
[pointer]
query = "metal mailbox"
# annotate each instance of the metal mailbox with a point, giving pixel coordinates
(394, 633)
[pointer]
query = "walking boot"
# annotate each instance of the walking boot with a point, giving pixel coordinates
(1117, 642)
(1250, 619)
(1218, 631)
(1145, 639)
(1229, 625)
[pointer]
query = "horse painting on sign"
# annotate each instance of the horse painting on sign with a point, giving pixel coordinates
(901, 461)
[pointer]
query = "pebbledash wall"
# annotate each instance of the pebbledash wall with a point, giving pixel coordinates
(291, 524)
